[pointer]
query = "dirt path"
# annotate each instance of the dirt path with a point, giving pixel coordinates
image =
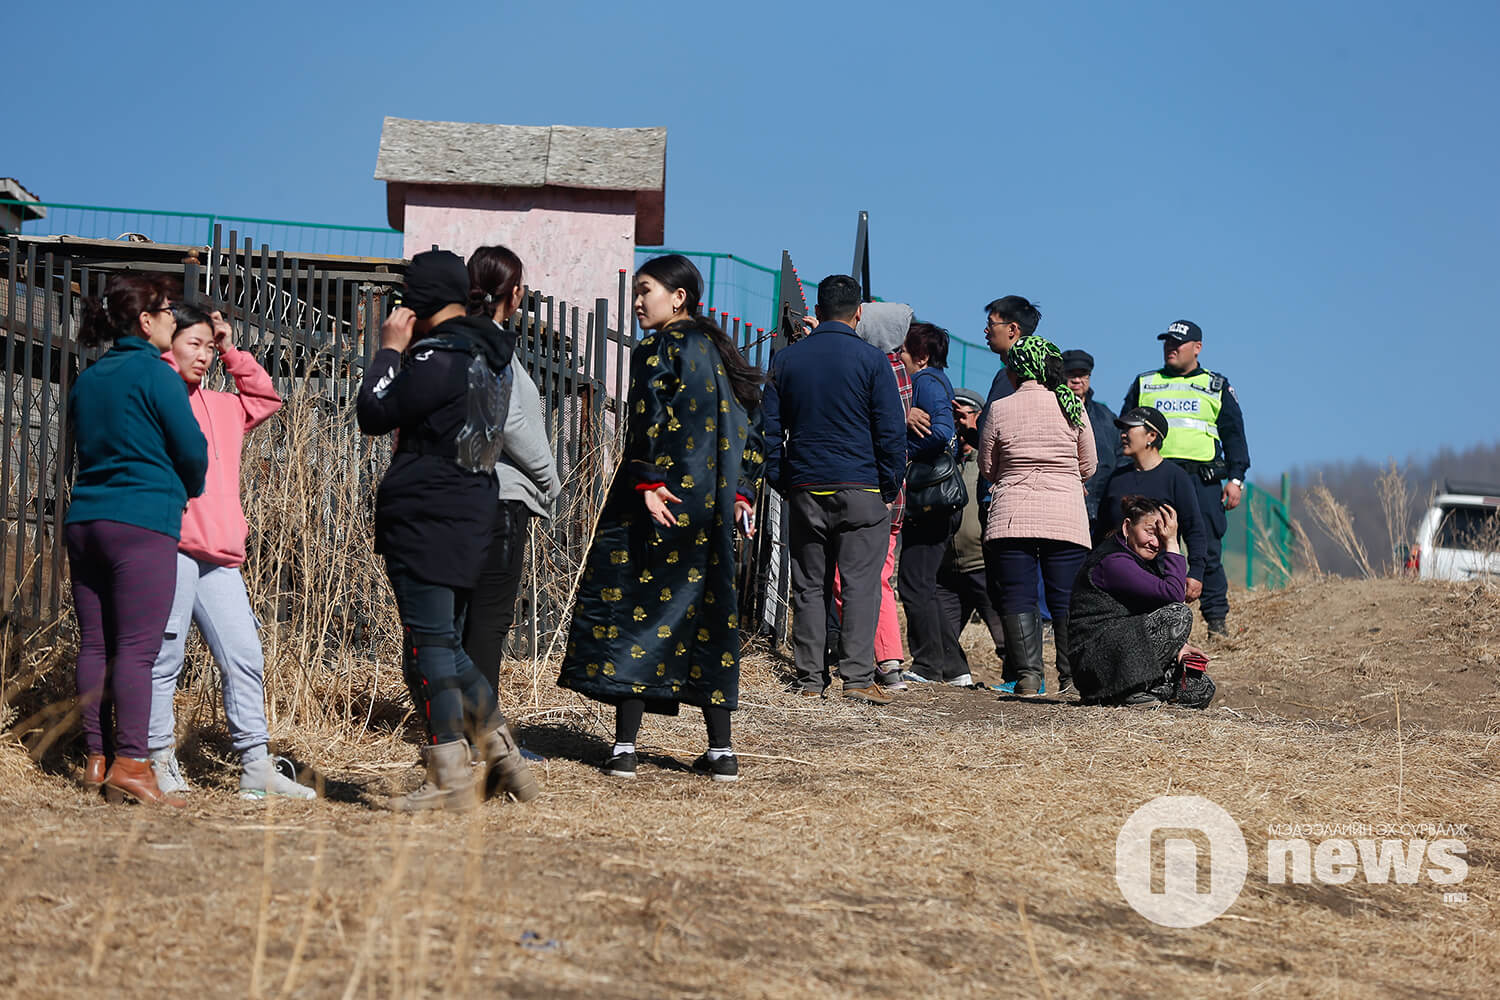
(955, 844)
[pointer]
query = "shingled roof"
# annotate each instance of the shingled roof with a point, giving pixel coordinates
(606, 159)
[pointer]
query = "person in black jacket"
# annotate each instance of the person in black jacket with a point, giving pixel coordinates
(1146, 473)
(1078, 369)
(434, 517)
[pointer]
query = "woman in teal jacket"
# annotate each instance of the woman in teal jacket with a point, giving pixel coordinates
(140, 457)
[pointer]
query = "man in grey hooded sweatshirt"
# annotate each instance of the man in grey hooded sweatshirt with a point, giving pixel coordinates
(884, 325)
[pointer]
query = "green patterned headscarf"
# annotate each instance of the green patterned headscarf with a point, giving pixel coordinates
(1031, 358)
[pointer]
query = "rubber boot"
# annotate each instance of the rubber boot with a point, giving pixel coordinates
(505, 769)
(1023, 651)
(133, 780)
(449, 783)
(1064, 665)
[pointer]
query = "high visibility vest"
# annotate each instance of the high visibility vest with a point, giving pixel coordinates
(1191, 404)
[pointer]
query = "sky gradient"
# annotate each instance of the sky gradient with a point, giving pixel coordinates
(1314, 184)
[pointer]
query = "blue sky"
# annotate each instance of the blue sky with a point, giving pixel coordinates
(1313, 183)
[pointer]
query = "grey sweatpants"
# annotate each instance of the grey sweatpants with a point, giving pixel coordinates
(850, 530)
(214, 597)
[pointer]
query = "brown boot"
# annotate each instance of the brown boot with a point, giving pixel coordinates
(133, 780)
(449, 783)
(94, 769)
(506, 771)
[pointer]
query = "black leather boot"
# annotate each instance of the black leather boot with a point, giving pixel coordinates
(1064, 665)
(1023, 651)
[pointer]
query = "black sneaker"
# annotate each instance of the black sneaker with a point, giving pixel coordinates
(1217, 627)
(1139, 698)
(621, 765)
(726, 768)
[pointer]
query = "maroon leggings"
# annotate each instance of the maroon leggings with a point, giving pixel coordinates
(123, 581)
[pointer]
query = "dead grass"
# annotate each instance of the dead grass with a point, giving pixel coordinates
(954, 844)
(1333, 516)
(931, 848)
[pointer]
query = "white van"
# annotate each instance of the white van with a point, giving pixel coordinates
(1459, 536)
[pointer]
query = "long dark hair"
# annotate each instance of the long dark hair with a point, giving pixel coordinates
(494, 273)
(117, 314)
(674, 271)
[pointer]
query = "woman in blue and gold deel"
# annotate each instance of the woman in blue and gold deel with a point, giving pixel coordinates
(656, 622)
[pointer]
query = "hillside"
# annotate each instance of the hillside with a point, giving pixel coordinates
(955, 844)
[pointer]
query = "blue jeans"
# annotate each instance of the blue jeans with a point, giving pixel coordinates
(446, 687)
(214, 597)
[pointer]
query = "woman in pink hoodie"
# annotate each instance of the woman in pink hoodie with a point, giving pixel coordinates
(210, 589)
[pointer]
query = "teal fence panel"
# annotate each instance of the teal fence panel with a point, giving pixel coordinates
(1258, 542)
(100, 222)
(970, 365)
(733, 287)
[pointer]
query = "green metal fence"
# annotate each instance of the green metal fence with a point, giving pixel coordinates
(733, 286)
(740, 288)
(102, 222)
(1258, 544)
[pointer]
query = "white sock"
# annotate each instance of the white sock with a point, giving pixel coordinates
(714, 753)
(622, 748)
(889, 666)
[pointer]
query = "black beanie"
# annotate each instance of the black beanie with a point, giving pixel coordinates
(434, 279)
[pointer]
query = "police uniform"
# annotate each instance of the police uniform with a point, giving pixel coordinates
(1206, 436)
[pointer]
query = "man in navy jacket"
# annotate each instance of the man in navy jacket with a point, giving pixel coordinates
(836, 449)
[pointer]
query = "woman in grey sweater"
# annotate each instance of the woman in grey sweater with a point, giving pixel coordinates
(529, 484)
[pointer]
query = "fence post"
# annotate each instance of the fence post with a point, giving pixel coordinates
(1248, 498)
(1285, 531)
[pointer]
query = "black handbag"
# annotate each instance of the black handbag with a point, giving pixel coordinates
(936, 484)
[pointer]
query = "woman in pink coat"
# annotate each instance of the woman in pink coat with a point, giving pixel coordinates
(210, 590)
(1038, 450)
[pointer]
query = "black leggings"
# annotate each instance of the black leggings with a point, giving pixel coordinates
(492, 605)
(629, 713)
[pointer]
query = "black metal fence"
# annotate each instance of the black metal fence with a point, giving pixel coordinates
(313, 324)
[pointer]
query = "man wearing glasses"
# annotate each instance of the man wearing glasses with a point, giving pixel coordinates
(1007, 320)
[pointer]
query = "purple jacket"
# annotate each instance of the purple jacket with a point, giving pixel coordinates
(1121, 574)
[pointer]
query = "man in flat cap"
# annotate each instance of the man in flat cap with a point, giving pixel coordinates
(1078, 369)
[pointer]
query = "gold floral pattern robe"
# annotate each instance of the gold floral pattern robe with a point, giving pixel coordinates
(657, 615)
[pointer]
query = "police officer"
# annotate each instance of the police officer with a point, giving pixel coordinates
(1207, 438)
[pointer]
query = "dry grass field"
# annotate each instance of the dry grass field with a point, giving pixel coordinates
(954, 844)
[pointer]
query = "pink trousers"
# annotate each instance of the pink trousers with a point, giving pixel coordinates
(887, 629)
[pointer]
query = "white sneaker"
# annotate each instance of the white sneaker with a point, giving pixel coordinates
(168, 773)
(962, 681)
(263, 777)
